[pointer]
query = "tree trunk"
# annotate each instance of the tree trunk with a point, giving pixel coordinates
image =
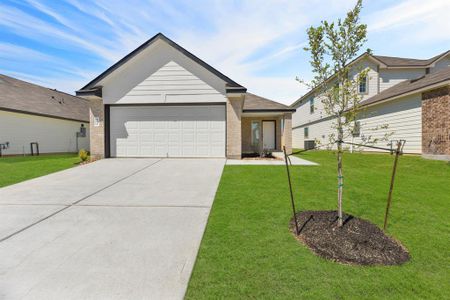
(339, 172)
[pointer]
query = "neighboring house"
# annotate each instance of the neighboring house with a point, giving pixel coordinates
(162, 101)
(34, 114)
(411, 96)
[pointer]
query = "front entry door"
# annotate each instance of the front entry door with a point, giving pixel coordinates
(268, 135)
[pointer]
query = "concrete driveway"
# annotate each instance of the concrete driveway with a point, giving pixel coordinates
(113, 229)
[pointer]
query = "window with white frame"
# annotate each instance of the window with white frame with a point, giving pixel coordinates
(311, 105)
(306, 132)
(362, 88)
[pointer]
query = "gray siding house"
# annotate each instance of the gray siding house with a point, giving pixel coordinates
(411, 96)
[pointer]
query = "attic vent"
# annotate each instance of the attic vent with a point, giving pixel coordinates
(417, 79)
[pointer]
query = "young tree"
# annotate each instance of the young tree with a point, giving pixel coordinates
(333, 46)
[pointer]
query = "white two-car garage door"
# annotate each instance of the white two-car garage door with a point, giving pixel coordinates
(167, 131)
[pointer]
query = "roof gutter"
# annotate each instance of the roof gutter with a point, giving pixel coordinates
(96, 91)
(41, 115)
(268, 110)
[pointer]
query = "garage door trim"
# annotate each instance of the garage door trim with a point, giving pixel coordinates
(107, 120)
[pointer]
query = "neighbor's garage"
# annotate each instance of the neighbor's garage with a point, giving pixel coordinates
(167, 131)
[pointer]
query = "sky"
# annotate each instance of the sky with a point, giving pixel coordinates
(64, 44)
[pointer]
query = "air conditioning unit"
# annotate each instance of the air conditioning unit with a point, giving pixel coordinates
(310, 145)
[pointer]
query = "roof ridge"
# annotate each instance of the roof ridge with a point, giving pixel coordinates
(146, 44)
(416, 83)
(401, 57)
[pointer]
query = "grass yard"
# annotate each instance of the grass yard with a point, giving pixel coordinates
(14, 169)
(248, 252)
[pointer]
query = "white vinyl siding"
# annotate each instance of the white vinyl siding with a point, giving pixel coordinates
(391, 77)
(403, 117)
(171, 83)
(316, 131)
(162, 74)
(372, 77)
(441, 64)
(53, 135)
(167, 131)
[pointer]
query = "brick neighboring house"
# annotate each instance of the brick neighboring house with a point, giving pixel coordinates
(436, 122)
(162, 101)
(411, 96)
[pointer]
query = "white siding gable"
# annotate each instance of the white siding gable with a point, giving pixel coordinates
(372, 76)
(391, 77)
(303, 114)
(161, 74)
(172, 84)
(441, 64)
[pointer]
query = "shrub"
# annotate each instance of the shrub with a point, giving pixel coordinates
(83, 154)
(267, 153)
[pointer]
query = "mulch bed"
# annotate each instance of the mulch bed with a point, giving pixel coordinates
(357, 242)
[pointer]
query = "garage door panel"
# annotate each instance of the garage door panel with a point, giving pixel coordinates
(174, 131)
(147, 125)
(160, 150)
(174, 125)
(202, 124)
(160, 124)
(189, 151)
(188, 125)
(175, 137)
(147, 138)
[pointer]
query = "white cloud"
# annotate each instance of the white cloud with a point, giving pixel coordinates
(19, 54)
(420, 20)
(11, 51)
(33, 28)
(249, 40)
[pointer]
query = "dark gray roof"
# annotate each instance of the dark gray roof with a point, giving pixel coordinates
(410, 86)
(232, 86)
(392, 61)
(254, 103)
(24, 97)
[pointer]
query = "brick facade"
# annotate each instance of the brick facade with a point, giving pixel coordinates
(287, 134)
(247, 133)
(283, 135)
(436, 123)
(234, 112)
(97, 131)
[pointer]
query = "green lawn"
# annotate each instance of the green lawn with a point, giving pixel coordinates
(15, 169)
(248, 252)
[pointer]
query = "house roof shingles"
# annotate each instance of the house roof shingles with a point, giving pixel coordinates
(392, 61)
(254, 103)
(410, 86)
(24, 97)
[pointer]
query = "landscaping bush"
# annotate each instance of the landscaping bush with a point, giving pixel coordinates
(83, 154)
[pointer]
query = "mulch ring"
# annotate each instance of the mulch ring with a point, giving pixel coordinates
(357, 242)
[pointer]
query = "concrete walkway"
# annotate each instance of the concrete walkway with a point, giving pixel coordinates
(296, 161)
(113, 229)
